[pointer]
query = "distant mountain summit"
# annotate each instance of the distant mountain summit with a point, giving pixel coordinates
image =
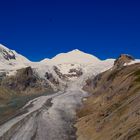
(10, 59)
(6, 54)
(74, 56)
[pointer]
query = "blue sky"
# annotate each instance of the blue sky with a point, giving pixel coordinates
(44, 28)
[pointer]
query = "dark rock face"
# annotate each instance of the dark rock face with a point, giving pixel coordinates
(124, 58)
(50, 77)
(7, 54)
(2, 75)
(25, 81)
(72, 73)
(61, 76)
(77, 73)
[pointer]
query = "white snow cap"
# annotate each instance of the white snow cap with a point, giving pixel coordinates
(10, 60)
(75, 56)
(18, 57)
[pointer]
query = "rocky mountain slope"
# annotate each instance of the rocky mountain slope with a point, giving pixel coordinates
(112, 112)
(25, 82)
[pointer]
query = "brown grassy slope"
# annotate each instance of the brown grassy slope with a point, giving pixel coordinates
(113, 110)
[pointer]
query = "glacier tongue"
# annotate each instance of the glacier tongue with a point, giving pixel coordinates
(52, 117)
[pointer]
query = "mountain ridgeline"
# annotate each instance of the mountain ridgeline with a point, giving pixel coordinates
(110, 90)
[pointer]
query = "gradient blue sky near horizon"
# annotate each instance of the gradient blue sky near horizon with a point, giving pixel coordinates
(43, 28)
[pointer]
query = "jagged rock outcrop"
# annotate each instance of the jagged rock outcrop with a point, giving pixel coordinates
(123, 59)
(71, 73)
(75, 73)
(7, 54)
(50, 77)
(112, 112)
(60, 75)
(25, 81)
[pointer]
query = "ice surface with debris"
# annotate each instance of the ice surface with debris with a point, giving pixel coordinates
(52, 117)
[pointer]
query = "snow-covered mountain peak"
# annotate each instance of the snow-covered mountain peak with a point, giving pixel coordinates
(10, 60)
(76, 51)
(45, 60)
(6, 54)
(73, 57)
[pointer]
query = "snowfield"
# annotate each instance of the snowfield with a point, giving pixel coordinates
(51, 117)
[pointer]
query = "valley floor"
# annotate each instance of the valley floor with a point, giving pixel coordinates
(47, 118)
